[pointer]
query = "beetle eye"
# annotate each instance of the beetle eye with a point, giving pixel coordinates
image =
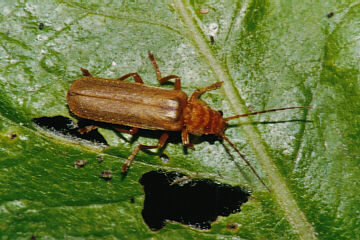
(221, 113)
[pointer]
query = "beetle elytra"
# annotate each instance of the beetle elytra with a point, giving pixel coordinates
(140, 106)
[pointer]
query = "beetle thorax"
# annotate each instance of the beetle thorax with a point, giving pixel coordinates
(200, 119)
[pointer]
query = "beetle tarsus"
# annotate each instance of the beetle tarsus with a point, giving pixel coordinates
(161, 79)
(190, 145)
(201, 91)
(126, 165)
(87, 129)
(130, 159)
(135, 75)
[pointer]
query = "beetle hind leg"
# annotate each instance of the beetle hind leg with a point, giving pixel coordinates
(130, 159)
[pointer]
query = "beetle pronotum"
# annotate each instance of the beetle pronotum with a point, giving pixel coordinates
(140, 106)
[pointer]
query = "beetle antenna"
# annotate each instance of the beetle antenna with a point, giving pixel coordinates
(246, 161)
(265, 111)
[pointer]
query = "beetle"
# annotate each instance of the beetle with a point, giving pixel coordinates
(137, 105)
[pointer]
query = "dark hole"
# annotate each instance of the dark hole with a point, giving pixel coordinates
(67, 127)
(330, 14)
(212, 39)
(196, 202)
(132, 200)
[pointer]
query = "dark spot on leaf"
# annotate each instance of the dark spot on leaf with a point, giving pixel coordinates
(41, 26)
(67, 127)
(132, 200)
(99, 159)
(251, 108)
(106, 175)
(330, 14)
(232, 226)
(196, 202)
(12, 135)
(212, 39)
(80, 163)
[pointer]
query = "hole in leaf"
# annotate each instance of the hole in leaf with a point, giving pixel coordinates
(66, 126)
(196, 202)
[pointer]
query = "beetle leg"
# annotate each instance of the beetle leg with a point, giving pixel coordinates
(86, 72)
(129, 160)
(153, 61)
(131, 131)
(198, 92)
(87, 129)
(185, 139)
(167, 78)
(136, 77)
(177, 85)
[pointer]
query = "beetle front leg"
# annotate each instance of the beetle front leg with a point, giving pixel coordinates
(185, 139)
(167, 78)
(161, 143)
(198, 92)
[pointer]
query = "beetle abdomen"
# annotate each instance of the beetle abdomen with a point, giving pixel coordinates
(126, 103)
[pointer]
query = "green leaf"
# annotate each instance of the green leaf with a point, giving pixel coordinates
(270, 54)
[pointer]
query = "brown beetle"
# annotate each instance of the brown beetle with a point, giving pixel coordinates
(141, 106)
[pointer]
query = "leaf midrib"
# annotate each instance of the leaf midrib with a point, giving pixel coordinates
(278, 185)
